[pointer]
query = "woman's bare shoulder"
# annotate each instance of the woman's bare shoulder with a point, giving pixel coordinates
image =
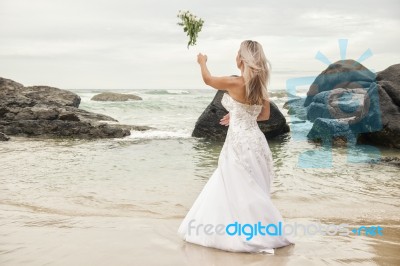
(238, 83)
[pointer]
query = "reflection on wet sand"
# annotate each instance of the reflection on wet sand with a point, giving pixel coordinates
(198, 256)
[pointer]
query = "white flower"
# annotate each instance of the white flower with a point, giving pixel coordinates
(190, 21)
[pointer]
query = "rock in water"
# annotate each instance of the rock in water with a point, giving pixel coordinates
(50, 112)
(112, 96)
(341, 74)
(347, 101)
(388, 86)
(4, 137)
(295, 107)
(393, 161)
(208, 127)
(328, 130)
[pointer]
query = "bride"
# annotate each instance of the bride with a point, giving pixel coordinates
(234, 211)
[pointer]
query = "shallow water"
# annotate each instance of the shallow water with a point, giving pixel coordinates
(120, 201)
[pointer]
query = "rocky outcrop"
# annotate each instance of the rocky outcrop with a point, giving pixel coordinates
(50, 112)
(208, 127)
(349, 102)
(112, 96)
(347, 74)
(295, 106)
(388, 86)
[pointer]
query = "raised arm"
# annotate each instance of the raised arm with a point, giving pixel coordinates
(219, 83)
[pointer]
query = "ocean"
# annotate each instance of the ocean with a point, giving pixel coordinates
(120, 201)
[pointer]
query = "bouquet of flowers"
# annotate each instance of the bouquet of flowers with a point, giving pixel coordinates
(191, 25)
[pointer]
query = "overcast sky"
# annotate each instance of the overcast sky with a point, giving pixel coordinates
(131, 44)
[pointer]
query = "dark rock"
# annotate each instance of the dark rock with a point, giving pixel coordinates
(342, 74)
(327, 130)
(52, 96)
(287, 104)
(392, 90)
(15, 94)
(136, 128)
(43, 112)
(390, 74)
(112, 96)
(68, 117)
(4, 137)
(62, 129)
(393, 161)
(50, 112)
(338, 103)
(388, 85)
(207, 126)
(10, 94)
(84, 115)
(371, 111)
(296, 108)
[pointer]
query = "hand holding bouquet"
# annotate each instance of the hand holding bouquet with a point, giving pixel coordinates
(191, 25)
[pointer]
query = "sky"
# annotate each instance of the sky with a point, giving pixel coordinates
(131, 44)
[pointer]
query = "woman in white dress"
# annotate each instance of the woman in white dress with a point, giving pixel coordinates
(234, 211)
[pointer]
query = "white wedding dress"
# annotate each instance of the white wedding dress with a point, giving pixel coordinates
(238, 190)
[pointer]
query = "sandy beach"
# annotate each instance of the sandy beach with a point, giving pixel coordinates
(95, 240)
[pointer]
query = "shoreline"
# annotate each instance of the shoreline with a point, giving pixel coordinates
(150, 241)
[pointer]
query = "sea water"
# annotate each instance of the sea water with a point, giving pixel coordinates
(59, 196)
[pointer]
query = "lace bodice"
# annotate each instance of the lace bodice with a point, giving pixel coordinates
(242, 116)
(244, 134)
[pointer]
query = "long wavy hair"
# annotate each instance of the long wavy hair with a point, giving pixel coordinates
(256, 71)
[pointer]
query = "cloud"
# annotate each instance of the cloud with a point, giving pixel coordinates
(137, 44)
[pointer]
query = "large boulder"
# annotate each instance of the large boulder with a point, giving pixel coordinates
(347, 74)
(337, 103)
(14, 94)
(208, 127)
(388, 85)
(50, 112)
(366, 105)
(113, 96)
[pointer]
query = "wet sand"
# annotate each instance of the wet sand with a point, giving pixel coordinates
(50, 239)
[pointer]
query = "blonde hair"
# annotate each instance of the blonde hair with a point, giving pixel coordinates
(256, 71)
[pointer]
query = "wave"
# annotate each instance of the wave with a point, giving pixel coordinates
(280, 94)
(167, 92)
(158, 134)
